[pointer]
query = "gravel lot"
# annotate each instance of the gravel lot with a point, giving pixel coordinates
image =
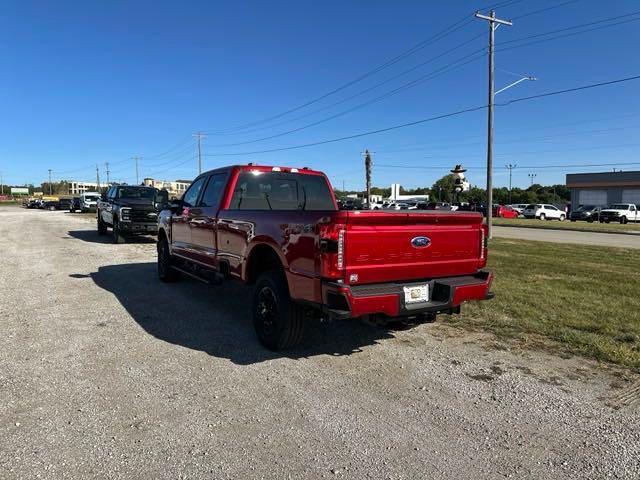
(107, 373)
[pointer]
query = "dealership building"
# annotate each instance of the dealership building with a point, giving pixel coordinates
(604, 188)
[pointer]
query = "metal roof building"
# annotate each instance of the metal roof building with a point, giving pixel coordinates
(604, 188)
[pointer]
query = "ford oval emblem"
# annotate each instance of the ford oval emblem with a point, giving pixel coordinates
(420, 242)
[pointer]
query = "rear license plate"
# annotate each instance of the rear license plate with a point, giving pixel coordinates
(416, 294)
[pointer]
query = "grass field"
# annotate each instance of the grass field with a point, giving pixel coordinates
(580, 299)
(567, 225)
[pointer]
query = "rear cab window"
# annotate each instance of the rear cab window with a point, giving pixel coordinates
(259, 190)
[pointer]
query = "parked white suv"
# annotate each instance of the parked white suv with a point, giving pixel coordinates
(544, 211)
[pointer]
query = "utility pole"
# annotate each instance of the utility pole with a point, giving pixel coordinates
(49, 182)
(106, 164)
(510, 167)
(136, 160)
(493, 24)
(532, 176)
(367, 166)
(199, 136)
(97, 177)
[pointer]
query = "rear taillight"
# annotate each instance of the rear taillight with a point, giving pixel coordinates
(484, 231)
(340, 259)
(332, 251)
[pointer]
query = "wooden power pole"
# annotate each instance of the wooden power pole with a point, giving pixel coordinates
(367, 166)
(493, 24)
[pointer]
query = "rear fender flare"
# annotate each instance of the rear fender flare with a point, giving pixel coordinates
(258, 243)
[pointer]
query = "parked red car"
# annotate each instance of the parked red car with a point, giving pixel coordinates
(280, 229)
(504, 211)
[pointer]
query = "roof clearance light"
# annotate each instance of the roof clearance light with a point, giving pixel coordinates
(276, 169)
(294, 170)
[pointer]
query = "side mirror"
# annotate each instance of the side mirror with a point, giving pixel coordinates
(176, 206)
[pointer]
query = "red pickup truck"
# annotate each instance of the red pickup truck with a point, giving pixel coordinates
(280, 230)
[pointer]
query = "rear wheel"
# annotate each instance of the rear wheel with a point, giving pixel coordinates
(543, 216)
(562, 217)
(165, 272)
(278, 321)
(623, 220)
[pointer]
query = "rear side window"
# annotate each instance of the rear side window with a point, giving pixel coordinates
(281, 191)
(190, 197)
(211, 195)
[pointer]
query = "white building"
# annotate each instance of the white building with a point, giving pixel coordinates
(76, 188)
(175, 188)
(397, 196)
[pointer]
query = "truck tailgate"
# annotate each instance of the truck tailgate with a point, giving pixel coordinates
(389, 246)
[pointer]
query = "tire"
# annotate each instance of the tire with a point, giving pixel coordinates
(52, 208)
(117, 235)
(278, 321)
(573, 221)
(589, 220)
(165, 272)
(562, 217)
(102, 227)
(543, 216)
(623, 220)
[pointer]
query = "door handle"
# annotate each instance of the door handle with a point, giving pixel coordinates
(200, 221)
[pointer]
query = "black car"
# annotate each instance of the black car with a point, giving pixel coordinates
(588, 213)
(62, 204)
(75, 205)
(130, 210)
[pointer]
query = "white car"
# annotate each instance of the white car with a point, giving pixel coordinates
(89, 201)
(519, 207)
(544, 211)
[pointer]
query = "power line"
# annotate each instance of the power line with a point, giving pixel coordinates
(425, 120)
(534, 12)
(367, 90)
(428, 145)
(464, 21)
(447, 68)
(429, 76)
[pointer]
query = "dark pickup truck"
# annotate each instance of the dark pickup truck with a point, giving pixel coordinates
(280, 229)
(130, 210)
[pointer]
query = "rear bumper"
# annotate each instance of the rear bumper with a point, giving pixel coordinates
(445, 295)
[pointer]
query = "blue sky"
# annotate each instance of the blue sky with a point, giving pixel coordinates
(85, 83)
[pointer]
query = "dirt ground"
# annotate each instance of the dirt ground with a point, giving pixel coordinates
(107, 373)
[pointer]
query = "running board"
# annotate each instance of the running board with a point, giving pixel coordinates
(214, 281)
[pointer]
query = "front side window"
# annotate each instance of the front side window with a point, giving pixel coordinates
(281, 191)
(190, 197)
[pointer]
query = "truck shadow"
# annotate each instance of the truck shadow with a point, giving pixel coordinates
(217, 319)
(93, 237)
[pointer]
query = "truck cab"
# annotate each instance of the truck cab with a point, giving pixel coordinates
(280, 230)
(129, 210)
